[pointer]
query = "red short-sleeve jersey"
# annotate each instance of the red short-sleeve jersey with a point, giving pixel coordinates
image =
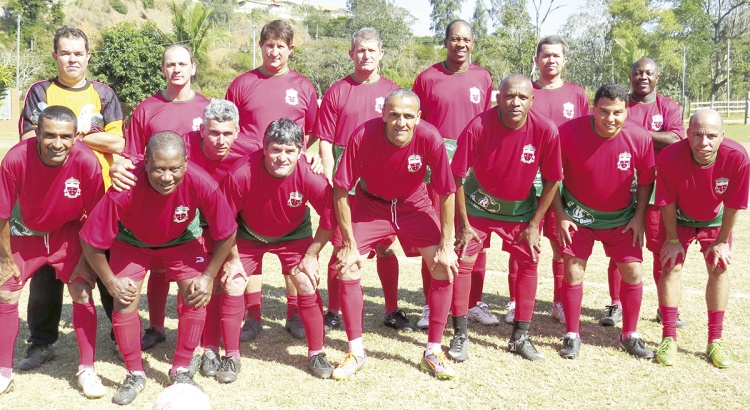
(156, 114)
(272, 206)
(700, 191)
(48, 196)
(450, 100)
(392, 172)
(156, 219)
(600, 171)
(242, 146)
(561, 104)
(505, 161)
(661, 115)
(347, 104)
(262, 99)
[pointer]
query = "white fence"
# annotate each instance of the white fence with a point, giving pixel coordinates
(725, 107)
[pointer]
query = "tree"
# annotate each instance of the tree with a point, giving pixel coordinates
(542, 12)
(38, 19)
(392, 22)
(322, 61)
(479, 20)
(516, 34)
(588, 47)
(443, 12)
(128, 59)
(192, 26)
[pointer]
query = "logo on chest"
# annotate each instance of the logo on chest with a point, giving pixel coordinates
(569, 110)
(181, 214)
(415, 163)
(528, 155)
(474, 95)
(721, 185)
(379, 102)
(291, 97)
(197, 121)
(295, 199)
(657, 122)
(623, 161)
(72, 188)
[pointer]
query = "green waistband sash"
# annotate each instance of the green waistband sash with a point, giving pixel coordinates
(684, 220)
(591, 218)
(192, 232)
(450, 148)
(17, 227)
(304, 230)
(482, 204)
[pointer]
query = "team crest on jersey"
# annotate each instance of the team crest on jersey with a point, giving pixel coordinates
(295, 199)
(415, 163)
(623, 161)
(657, 122)
(72, 188)
(721, 185)
(197, 123)
(527, 156)
(474, 95)
(181, 214)
(379, 102)
(569, 110)
(291, 97)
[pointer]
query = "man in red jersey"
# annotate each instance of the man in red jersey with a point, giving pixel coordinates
(452, 93)
(348, 103)
(390, 164)
(559, 101)
(170, 195)
(505, 147)
(263, 95)
(662, 118)
(716, 170)
(601, 155)
(281, 225)
(45, 219)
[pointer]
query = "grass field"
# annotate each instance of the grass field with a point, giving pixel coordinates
(274, 371)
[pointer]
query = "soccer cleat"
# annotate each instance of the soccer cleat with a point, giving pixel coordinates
(558, 313)
(481, 313)
(294, 326)
(719, 354)
(511, 312)
(228, 370)
(152, 337)
(612, 315)
(424, 320)
(437, 365)
(571, 346)
(129, 389)
(681, 324)
(352, 364)
(6, 385)
(524, 348)
(459, 348)
(209, 363)
(397, 320)
(184, 377)
(666, 353)
(319, 366)
(250, 330)
(35, 356)
(635, 346)
(91, 384)
(195, 364)
(331, 321)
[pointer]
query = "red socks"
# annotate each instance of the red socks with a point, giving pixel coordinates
(312, 320)
(291, 306)
(253, 305)
(156, 295)
(572, 299)
(127, 328)
(84, 324)
(212, 328)
(189, 330)
(352, 301)
(9, 325)
(439, 301)
(631, 296)
(715, 324)
(668, 321)
(512, 275)
(614, 278)
(232, 312)
(558, 273)
(526, 284)
(426, 280)
(388, 273)
(333, 286)
(477, 279)
(461, 289)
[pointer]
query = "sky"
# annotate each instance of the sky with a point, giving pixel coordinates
(420, 9)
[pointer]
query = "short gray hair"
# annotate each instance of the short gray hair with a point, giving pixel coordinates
(221, 111)
(365, 34)
(284, 131)
(403, 93)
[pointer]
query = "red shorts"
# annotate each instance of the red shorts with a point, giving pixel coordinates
(290, 254)
(653, 226)
(704, 236)
(549, 225)
(337, 241)
(184, 261)
(507, 231)
(617, 245)
(60, 249)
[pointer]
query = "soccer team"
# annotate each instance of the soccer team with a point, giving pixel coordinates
(197, 191)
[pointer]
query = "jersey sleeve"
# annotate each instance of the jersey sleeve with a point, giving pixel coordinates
(100, 229)
(645, 166)
(348, 172)
(666, 188)
(419, 89)
(215, 208)
(111, 109)
(233, 187)
(673, 120)
(8, 187)
(321, 199)
(550, 163)
(96, 191)
(736, 196)
(36, 95)
(488, 103)
(463, 157)
(584, 108)
(325, 123)
(134, 141)
(312, 109)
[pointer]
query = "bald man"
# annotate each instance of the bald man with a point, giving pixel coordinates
(505, 146)
(716, 170)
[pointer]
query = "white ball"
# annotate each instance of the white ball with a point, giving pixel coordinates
(182, 396)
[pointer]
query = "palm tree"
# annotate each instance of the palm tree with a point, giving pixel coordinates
(192, 26)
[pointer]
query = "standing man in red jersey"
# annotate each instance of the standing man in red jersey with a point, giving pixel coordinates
(451, 94)
(348, 103)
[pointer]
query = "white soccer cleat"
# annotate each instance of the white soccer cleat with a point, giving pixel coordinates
(481, 313)
(511, 314)
(91, 384)
(424, 320)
